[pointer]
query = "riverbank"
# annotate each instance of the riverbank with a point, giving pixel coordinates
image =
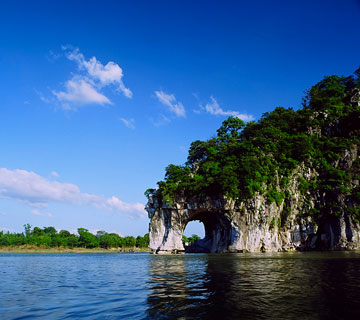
(43, 249)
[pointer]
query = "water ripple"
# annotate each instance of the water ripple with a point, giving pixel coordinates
(142, 286)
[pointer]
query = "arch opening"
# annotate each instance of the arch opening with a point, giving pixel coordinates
(217, 233)
(194, 231)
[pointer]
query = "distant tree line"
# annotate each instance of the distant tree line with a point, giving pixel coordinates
(192, 239)
(50, 237)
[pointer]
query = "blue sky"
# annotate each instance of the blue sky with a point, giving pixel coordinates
(98, 97)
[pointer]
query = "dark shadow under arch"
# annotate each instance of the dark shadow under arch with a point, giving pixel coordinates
(217, 232)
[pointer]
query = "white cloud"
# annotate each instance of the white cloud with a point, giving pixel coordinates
(81, 92)
(3, 213)
(37, 191)
(111, 73)
(34, 189)
(85, 87)
(128, 123)
(214, 108)
(169, 100)
(115, 203)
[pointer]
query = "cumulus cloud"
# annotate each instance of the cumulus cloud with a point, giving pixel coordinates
(169, 100)
(115, 203)
(214, 108)
(34, 189)
(111, 73)
(85, 87)
(80, 92)
(37, 191)
(128, 123)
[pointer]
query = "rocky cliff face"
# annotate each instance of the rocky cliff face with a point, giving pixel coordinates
(255, 224)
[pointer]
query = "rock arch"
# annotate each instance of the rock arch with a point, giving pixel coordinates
(167, 224)
(248, 226)
(217, 231)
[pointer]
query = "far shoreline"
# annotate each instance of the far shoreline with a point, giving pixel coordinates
(41, 249)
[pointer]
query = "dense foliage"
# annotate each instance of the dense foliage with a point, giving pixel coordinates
(261, 156)
(49, 237)
(191, 239)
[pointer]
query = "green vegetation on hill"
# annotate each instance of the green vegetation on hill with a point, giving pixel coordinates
(49, 237)
(261, 156)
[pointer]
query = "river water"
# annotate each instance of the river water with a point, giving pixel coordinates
(191, 286)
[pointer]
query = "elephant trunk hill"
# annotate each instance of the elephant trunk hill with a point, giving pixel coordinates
(289, 181)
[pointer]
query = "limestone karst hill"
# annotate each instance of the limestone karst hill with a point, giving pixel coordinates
(289, 181)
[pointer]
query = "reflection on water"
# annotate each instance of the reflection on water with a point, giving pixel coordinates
(264, 286)
(193, 286)
(177, 284)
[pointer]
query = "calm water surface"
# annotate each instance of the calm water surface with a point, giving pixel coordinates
(193, 286)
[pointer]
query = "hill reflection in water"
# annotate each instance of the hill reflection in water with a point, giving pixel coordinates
(255, 286)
